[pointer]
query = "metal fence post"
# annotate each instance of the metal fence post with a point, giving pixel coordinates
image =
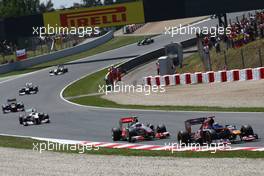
(260, 59)
(242, 57)
(210, 62)
(225, 60)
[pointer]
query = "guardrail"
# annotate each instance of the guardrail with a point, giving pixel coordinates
(55, 55)
(145, 58)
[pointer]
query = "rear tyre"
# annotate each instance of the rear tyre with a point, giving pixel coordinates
(20, 120)
(183, 137)
(208, 137)
(116, 134)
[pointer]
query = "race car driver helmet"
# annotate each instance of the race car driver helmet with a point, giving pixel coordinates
(138, 124)
(216, 126)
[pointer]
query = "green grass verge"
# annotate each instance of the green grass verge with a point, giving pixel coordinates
(87, 85)
(26, 143)
(90, 84)
(116, 42)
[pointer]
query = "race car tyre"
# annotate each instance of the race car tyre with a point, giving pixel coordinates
(161, 129)
(130, 136)
(20, 120)
(208, 137)
(25, 123)
(183, 137)
(116, 134)
(246, 130)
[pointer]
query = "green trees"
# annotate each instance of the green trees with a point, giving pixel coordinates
(12, 8)
(46, 7)
(108, 2)
(92, 3)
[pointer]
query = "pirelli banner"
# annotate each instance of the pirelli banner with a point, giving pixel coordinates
(102, 16)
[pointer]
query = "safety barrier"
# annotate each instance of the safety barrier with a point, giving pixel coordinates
(207, 77)
(148, 57)
(55, 55)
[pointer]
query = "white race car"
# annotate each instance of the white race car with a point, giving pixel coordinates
(32, 117)
(28, 89)
(58, 71)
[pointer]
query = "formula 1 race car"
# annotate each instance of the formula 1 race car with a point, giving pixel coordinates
(210, 130)
(145, 41)
(32, 117)
(13, 106)
(58, 71)
(131, 130)
(28, 89)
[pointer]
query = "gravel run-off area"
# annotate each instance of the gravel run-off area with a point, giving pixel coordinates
(26, 162)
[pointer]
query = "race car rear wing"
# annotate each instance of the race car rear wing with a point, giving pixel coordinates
(128, 119)
(196, 121)
(11, 101)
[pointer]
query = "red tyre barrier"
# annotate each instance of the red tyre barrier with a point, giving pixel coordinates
(199, 77)
(211, 77)
(148, 81)
(167, 80)
(223, 76)
(249, 74)
(261, 72)
(177, 79)
(188, 78)
(235, 75)
(157, 79)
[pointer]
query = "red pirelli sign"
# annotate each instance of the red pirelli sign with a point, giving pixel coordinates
(103, 16)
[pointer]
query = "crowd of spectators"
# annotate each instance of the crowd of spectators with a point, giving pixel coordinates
(241, 31)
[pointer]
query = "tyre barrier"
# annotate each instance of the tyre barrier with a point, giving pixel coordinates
(207, 77)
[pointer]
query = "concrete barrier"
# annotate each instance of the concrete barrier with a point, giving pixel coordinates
(55, 55)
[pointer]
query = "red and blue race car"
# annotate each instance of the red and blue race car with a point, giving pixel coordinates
(210, 130)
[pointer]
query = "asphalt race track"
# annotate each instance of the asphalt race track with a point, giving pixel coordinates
(92, 124)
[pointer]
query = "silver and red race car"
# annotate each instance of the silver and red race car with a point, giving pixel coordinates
(209, 131)
(131, 130)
